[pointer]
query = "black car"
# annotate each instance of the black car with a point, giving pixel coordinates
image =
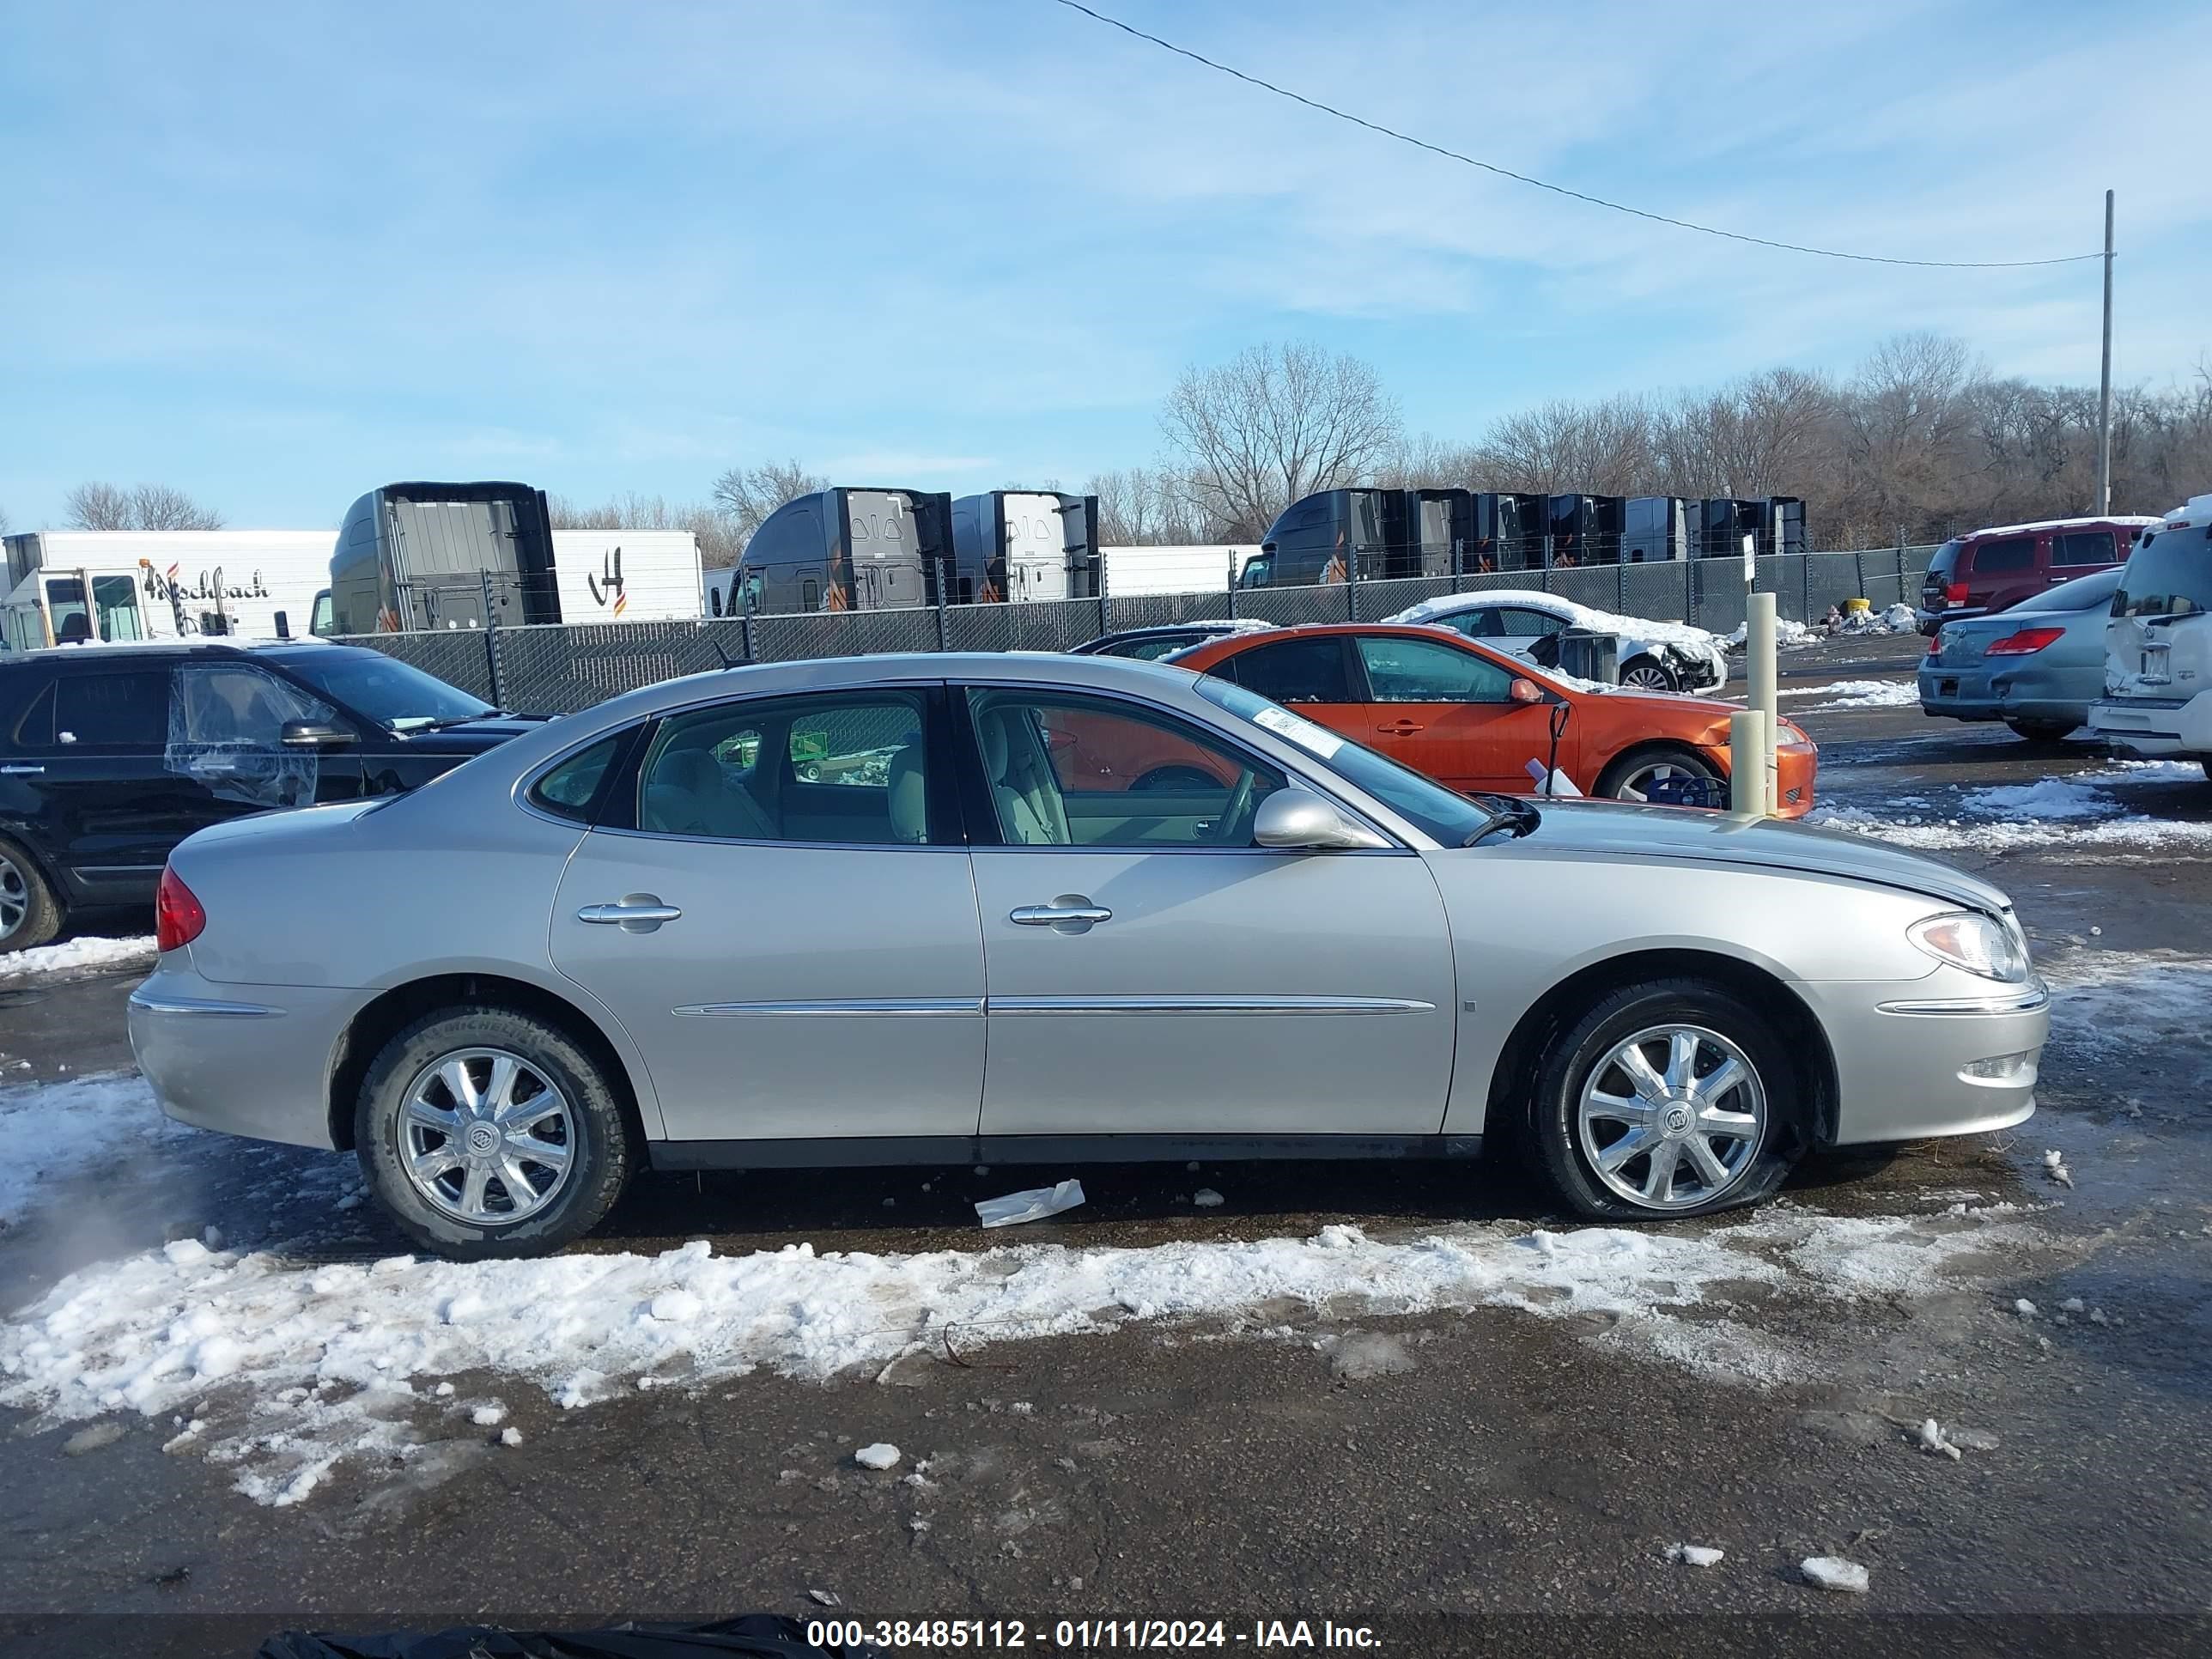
(111, 754)
(1151, 644)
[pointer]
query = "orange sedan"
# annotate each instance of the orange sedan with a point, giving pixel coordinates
(1474, 719)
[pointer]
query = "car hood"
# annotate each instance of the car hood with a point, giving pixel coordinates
(474, 737)
(1687, 834)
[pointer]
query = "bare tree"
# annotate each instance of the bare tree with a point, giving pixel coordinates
(1272, 424)
(98, 506)
(1146, 507)
(718, 545)
(746, 495)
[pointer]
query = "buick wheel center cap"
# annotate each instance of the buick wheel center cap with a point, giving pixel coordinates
(484, 1139)
(1675, 1122)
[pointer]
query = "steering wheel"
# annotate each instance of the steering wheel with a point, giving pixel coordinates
(1240, 805)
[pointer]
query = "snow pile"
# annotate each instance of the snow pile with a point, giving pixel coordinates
(52, 1132)
(1859, 694)
(2077, 811)
(1786, 633)
(88, 954)
(1695, 1555)
(1898, 619)
(294, 1365)
(881, 1456)
(1833, 1572)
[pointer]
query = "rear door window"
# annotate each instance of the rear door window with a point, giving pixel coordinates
(125, 713)
(1294, 670)
(2000, 558)
(2083, 547)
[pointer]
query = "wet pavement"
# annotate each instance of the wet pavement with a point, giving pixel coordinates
(1502, 1479)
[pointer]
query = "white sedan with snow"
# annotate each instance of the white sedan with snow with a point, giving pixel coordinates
(1653, 656)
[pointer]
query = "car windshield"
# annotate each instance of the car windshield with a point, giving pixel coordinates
(1430, 807)
(2168, 575)
(396, 695)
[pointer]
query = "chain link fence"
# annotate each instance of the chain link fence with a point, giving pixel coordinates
(559, 668)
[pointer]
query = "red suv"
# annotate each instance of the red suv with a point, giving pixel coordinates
(1994, 570)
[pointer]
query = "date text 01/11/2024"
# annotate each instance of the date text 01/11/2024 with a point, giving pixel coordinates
(1157, 1634)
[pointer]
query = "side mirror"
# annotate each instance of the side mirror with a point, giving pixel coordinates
(1527, 691)
(314, 734)
(1298, 818)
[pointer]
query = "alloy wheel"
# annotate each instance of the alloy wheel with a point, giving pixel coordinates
(1672, 1117)
(1637, 785)
(486, 1137)
(14, 896)
(1649, 677)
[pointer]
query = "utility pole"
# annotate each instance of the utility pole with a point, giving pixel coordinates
(2105, 380)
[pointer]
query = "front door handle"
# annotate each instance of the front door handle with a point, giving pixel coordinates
(1400, 728)
(21, 771)
(1071, 913)
(635, 913)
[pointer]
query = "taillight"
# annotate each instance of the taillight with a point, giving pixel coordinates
(177, 917)
(1954, 593)
(2028, 639)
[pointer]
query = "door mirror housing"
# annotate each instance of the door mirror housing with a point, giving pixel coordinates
(1527, 690)
(1297, 819)
(314, 734)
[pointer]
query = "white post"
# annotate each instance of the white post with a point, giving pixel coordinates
(1759, 669)
(1747, 789)
(2104, 503)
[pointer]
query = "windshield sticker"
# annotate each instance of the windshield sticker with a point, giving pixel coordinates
(1314, 739)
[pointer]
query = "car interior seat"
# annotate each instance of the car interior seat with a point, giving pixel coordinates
(907, 796)
(688, 795)
(1030, 812)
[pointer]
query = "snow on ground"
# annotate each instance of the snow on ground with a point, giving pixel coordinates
(52, 1132)
(77, 955)
(2073, 811)
(1859, 694)
(2124, 1001)
(293, 1366)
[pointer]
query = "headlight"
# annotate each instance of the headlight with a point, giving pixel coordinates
(1980, 944)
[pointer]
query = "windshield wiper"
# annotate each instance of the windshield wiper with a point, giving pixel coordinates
(1511, 812)
(456, 719)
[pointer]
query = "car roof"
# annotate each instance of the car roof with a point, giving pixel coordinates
(165, 650)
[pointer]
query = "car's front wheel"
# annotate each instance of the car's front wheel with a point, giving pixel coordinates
(1648, 673)
(490, 1133)
(1632, 777)
(1673, 1098)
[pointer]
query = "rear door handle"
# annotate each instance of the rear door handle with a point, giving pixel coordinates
(636, 913)
(21, 771)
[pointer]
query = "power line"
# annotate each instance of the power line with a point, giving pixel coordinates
(1556, 189)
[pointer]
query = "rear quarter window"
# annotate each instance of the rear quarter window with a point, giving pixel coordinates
(26, 710)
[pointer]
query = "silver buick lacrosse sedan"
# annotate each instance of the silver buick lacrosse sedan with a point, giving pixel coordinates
(1049, 909)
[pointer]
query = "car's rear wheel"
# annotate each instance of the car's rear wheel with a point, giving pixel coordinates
(2039, 731)
(1630, 777)
(30, 913)
(1648, 673)
(490, 1133)
(1673, 1098)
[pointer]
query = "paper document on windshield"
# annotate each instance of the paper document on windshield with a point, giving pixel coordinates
(1316, 739)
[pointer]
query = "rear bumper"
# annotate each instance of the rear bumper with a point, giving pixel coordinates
(1946, 1055)
(246, 1060)
(2154, 727)
(1972, 692)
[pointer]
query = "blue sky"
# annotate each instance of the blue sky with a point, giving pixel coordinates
(276, 255)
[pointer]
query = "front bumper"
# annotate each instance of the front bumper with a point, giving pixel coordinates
(1945, 1055)
(246, 1060)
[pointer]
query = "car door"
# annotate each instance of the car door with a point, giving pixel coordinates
(227, 724)
(2082, 553)
(1151, 971)
(92, 764)
(780, 910)
(1449, 712)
